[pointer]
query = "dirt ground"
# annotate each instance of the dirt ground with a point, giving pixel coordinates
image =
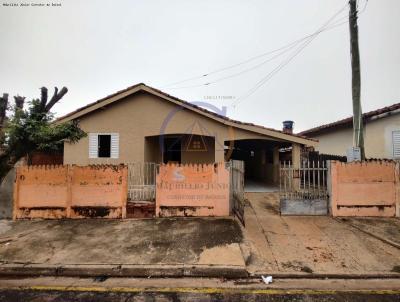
(387, 229)
(316, 244)
(101, 241)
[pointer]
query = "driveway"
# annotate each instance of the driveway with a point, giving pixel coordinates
(316, 244)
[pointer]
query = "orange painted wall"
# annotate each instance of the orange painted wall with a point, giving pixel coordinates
(98, 186)
(42, 186)
(364, 188)
(70, 191)
(192, 190)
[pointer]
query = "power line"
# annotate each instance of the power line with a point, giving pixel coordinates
(237, 64)
(285, 48)
(236, 74)
(257, 65)
(284, 63)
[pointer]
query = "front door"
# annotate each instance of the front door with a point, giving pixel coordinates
(172, 150)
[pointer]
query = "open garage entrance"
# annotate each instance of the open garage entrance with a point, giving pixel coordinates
(180, 148)
(261, 160)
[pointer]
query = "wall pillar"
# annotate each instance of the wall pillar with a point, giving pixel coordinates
(276, 165)
(219, 152)
(397, 188)
(296, 149)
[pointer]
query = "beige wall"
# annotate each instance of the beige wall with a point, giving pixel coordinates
(142, 115)
(207, 155)
(378, 138)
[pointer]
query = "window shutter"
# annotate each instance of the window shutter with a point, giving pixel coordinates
(93, 145)
(114, 145)
(396, 143)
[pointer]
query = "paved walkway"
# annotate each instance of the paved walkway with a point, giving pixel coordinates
(269, 244)
(259, 186)
(319, 244)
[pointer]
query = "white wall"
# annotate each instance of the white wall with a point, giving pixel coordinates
(377, 137)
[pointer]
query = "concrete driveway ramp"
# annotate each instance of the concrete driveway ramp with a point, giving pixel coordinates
(312, 207)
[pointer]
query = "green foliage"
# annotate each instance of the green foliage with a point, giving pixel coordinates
(34, 129)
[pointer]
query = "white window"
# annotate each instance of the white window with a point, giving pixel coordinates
(396, 143)
(103, 145)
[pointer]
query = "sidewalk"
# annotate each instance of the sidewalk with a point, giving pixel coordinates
(317, 245)
(149, 247)
(270, 244)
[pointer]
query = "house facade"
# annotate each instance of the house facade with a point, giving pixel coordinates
(381, 134)
(143, 124)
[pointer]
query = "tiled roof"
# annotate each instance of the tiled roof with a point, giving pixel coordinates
(181, 101)
(348, 122)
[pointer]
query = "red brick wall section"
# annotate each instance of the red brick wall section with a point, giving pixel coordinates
(57, 191)
(42, 158)
(364, 188)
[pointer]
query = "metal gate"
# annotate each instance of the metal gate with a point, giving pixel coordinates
(237, 188)
(142, 181)
(307, 183)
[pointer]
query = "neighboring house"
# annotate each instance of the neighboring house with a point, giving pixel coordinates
(143, 124)
(381, 134)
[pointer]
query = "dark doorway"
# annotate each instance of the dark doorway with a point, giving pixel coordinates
(172, 149)
(104, 147)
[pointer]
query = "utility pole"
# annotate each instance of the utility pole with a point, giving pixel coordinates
(358, 134)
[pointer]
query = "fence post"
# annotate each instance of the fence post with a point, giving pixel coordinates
(70, 172)
(16, 193)
(397, 188)
(124, 185)
(329, 185)
(333, 171)
(230, 169)
(296, 150)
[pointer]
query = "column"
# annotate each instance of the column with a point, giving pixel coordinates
(276, 164)
(296, 148)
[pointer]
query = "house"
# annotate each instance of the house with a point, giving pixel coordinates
(144, 124)
(381, 134)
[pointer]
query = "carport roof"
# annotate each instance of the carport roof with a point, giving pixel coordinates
(80, 112)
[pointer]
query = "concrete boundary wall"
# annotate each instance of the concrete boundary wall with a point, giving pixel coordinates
(68, 191)
(192, 190)
(367, 188)
(6, 195)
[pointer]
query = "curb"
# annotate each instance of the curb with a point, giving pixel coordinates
(128, 270)
(205, 290)
(327, 276)
(167, 271)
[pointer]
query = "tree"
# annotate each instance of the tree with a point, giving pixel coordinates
(28, 130)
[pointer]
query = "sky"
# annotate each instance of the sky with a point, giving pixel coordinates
(97, 47)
